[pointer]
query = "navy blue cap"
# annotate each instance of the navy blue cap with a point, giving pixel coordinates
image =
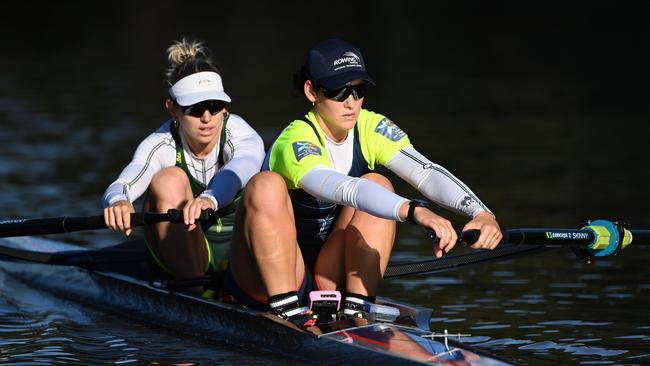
(334, 63)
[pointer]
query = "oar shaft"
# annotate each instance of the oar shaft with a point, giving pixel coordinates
(52, 225)
(640, 237)
(515, 242)
(502, 252)
(536, 236)
(57, 225)
(550, 236)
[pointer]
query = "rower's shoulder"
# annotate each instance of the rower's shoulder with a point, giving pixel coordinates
(238, 125)
(161, 137)
(369, 119)
(298, 129)
(300, 124)
(236, 119)
(163, 129)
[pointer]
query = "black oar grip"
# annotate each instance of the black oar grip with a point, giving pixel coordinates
(468, 237)
(174, 215)
(206, 214)
(138, 219)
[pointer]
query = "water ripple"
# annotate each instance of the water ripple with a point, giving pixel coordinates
(38, 329)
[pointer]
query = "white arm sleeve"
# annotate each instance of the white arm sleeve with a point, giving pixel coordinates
(435, 182)
(154, 153)
(363, 194)
(246, 151)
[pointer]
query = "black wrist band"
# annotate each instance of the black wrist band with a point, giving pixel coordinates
(412, 205)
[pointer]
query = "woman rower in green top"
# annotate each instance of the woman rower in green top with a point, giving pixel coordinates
(200, 158)
(319, 218)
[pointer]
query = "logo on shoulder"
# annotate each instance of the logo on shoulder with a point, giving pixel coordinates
(304, 148)
(388, 129)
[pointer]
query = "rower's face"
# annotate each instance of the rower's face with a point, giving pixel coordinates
(201, 130)
(339, 116)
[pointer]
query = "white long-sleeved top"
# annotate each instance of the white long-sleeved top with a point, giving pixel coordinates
(242, 158)
(432, 180)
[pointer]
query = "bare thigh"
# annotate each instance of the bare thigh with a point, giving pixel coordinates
(356, 253)
(183, 253)
(265, 258)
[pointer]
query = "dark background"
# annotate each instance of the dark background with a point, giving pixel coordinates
(540, 107)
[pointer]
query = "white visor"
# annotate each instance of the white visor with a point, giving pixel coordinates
(197, 88)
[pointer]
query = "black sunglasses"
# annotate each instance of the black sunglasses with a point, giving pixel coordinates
(197, 109)
(339, 95)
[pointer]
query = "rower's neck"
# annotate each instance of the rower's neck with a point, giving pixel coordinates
(337, 135)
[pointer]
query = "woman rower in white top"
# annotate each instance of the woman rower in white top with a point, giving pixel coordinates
(200, 158)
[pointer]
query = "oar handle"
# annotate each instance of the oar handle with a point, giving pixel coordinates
(597, 238)
(172, 215)
(58, 225)
(544, 236)
(468, 237)
(534, 236)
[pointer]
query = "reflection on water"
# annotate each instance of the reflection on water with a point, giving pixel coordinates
(530, 311)
(548, 127)
(37, 328)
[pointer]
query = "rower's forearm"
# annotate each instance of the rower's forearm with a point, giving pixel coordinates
(435, 182)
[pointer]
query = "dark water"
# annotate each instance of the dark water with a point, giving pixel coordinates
(39, 329)
(541, 109)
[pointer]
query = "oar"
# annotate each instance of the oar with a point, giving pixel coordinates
(57, 225)
(596, 238)
(599, 237)
(502, 252)
(125, 252)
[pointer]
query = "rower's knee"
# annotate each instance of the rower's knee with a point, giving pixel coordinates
(380, 179)
(171, 183)
(265, 192)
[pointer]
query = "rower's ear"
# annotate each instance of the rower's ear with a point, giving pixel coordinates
(310, 91)
(171, 107)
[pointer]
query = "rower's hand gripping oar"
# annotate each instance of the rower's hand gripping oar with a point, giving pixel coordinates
(598, 238)
(594, 239)
(57, 225)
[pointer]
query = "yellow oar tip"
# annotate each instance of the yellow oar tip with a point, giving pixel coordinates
(627, 238)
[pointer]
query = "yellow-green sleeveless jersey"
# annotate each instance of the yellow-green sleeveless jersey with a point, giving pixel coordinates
(301, 146)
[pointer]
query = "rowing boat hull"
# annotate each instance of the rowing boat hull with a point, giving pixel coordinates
(122, 293)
